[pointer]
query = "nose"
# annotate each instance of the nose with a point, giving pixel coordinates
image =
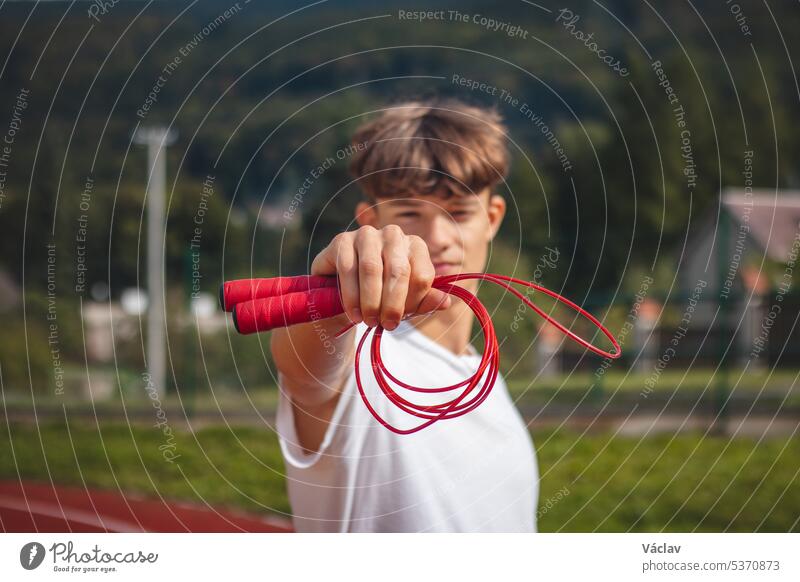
(441, 234)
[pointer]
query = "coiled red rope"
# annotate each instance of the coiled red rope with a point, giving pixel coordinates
(264, 304)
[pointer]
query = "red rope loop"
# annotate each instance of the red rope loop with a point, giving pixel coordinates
(469, 398)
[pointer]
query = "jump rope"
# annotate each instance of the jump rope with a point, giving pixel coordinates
(259, 305)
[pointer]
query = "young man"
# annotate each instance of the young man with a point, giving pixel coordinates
(428, 173)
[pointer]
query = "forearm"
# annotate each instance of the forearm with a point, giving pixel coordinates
(312, 361)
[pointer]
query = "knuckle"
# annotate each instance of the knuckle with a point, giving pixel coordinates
(370, 267)
(339, 243)
(417, 240)
(365, 231)
(400, 269)
(392, 230)
(424, 276)
(420, 246)
(345, 264)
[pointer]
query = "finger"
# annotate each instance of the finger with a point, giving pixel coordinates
(422, 273)
(436, 299)
(396, 275)
(325, 262)
(369, 244)
(347, 270)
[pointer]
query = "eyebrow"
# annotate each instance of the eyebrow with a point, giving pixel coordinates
(461, 202)
(404, 202)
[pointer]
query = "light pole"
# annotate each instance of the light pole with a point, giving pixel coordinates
(156, 139)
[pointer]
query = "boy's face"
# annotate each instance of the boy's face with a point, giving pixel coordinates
(457, 230)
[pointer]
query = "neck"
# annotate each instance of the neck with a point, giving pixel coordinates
(450, 328)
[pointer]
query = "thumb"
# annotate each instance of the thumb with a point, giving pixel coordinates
(435, 299)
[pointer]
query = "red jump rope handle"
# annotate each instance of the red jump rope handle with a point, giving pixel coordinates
(265, 304)
(239, 291)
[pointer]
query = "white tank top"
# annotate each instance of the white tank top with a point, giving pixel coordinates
(474, 473)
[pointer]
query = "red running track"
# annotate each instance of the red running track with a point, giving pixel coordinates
(36, 507)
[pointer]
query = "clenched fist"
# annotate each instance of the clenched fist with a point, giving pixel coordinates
(384, 275)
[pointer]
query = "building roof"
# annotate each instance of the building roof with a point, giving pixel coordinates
(774, 217)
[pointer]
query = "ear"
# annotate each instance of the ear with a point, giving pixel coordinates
(496, 211)
(366, 215)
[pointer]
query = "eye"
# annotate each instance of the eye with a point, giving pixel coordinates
(461, 213)
(408, 214)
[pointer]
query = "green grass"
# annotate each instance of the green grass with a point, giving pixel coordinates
(612, 484)
(694, 380)
(669, 483)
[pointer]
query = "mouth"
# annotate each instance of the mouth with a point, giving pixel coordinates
(445, 268)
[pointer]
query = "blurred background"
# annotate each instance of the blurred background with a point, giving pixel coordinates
(654, 181)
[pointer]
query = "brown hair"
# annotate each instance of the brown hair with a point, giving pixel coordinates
(427, 146)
